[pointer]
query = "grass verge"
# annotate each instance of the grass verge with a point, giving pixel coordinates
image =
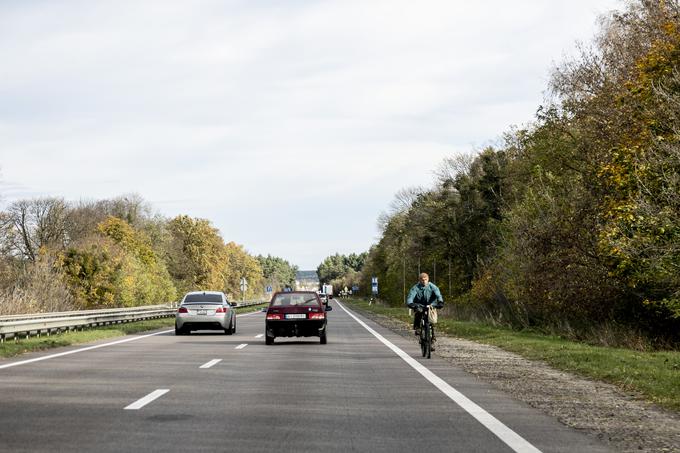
(655, 375)
(251, 308)
(9, 348)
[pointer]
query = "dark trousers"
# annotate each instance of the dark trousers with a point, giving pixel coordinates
(416, 319)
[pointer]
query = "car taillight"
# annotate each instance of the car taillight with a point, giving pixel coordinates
(220, 310)
(182, 310)
(317, 315)
(274, 316)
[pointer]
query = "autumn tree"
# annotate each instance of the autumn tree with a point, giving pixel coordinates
(197, 256)
(117, 267)
(573, 220)
(240, 264)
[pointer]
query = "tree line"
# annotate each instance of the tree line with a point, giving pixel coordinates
(573, 220)
(341, 270)
(56, 255)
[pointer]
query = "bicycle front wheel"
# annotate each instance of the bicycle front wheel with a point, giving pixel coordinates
(425, 339)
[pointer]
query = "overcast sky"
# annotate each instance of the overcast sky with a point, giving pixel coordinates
(266, 117)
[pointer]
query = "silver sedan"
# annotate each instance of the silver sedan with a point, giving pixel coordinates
(201, 310)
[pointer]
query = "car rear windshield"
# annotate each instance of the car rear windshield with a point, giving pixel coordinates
(295, 300)
(203, 298)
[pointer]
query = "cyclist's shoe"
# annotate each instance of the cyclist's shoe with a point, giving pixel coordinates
(417, 332)
(433, 342)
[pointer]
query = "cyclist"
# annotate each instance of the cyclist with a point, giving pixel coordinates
(423, 293)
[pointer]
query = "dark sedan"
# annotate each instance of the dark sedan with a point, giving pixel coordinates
(296, 314)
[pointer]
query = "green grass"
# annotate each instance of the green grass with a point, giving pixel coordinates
(655, 375)
(10, 348)
(250, 308)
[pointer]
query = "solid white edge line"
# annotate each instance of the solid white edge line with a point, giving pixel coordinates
(89, 348)
(241, 346)
(140, 403)
(511, 438)
(211, 363)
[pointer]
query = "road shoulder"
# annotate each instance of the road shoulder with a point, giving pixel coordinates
(621, 420)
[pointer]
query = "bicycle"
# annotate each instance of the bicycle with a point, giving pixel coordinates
(426, 330)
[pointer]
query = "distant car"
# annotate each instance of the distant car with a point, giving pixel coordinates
(205, 310)
(296, 314)
(324, 298)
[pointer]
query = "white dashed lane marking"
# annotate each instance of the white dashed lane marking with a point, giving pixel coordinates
(140, 403)
(211, 363)
(259, 335)
(241, 346)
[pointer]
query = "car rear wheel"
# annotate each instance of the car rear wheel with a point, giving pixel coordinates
(179, 331)
(268, 339)
(233, 328)
(322, 337)
(229, 330)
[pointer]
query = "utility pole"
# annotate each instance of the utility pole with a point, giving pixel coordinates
(403, 276)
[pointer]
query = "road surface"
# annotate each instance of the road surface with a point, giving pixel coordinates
(367, 390)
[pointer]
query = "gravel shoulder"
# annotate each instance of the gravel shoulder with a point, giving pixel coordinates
(620, 419)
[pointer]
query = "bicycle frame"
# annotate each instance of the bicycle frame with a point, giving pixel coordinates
(426, 332)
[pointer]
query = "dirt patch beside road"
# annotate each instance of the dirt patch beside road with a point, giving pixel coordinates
(622, 420)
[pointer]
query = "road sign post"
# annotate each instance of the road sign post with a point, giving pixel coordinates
(374, 288)
(244, 287)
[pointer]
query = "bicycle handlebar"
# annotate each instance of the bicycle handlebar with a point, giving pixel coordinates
(421, 307)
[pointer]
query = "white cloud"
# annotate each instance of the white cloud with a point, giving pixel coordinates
(241, 111)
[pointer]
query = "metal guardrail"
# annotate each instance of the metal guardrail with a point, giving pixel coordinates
(66, 314)
(47, 323)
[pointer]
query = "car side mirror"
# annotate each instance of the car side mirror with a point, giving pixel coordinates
(328, 308)
(233, 304)
(330, 296)
(264, 310)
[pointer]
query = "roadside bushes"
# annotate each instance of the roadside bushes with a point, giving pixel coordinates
(573, 222)
(40, 288)
(56, 255)
(116, 267)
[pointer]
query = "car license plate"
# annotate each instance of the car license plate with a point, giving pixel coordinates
(296, 316)
(201, 312)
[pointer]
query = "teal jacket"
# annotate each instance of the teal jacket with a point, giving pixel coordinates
(425, 295)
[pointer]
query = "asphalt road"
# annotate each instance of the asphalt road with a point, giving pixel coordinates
(212, 393)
